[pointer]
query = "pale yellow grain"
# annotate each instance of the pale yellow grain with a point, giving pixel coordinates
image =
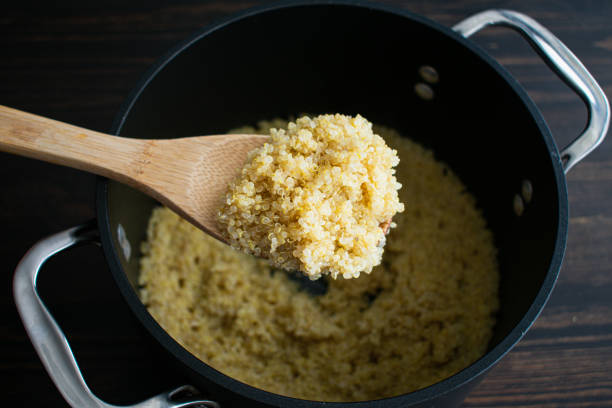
(424, 314)
(328, 183)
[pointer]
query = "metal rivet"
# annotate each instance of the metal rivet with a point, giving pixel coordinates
(424, 91)
(429, 74)
(124, 243)
(527, 191)
(519, 206)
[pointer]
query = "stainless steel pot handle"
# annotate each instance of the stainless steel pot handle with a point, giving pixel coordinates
(565, 64)
(50, 342)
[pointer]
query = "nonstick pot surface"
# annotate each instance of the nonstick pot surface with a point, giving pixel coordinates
(285, 60)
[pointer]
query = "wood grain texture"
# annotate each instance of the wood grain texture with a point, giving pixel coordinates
(190, 175)
(77, 61)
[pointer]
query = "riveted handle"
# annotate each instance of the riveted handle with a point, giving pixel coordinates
(49, 340)
(565, 64)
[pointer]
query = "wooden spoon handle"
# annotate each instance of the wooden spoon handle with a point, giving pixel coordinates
(34, 136)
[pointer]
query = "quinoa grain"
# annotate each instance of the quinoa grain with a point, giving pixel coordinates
(425, 313)
(314, 197)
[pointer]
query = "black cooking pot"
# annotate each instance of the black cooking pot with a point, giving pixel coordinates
(394, 68)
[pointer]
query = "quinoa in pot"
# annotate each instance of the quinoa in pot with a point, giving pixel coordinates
(426, 312)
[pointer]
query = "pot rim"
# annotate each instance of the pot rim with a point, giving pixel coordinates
(434, 391)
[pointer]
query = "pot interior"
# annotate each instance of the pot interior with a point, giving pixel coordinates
(346, 59)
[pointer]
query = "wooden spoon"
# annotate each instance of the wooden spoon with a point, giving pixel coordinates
(189, 175)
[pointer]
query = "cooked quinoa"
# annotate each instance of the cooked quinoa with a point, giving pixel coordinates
(426, 312)
(314, 197)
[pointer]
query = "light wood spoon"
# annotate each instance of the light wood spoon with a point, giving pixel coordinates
(189, 175)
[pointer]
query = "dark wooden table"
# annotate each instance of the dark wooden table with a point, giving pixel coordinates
(76, 62)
